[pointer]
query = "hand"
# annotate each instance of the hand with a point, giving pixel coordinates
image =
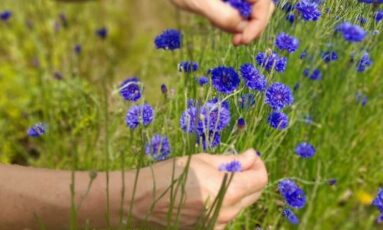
(228, 19)
(203, 183)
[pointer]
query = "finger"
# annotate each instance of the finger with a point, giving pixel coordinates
(258, 23)
(250, 200)
(247, 159)
(254, 179)
(223, 16)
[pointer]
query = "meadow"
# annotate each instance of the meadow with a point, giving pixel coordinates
(62, 64)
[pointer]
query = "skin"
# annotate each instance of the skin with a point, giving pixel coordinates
(228, 19)
(31, 196)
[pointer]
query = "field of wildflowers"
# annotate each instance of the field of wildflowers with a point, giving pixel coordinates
(308, 96)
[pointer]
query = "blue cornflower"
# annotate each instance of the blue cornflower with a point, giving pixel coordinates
(130, 89)
(290, 216)
(303, 55)
(380, 218)
(364, 62)
(102, 32)
(139, 114)
(305, 150)
(278, 120)
(361, 98)
(350, 32)
(290, 17)
(5, 15)
(189, 119)
(188, 66)
(158, 148)
(233, 166)
(77, 49)
(215, 117)
(294, 196)
(213, 140)
(225, 79)
(362, 20)
(316, 74)
(215, 100)
(329, 56)
(287, 42)
(288, 7)
(278, 96)
(332, 182)
(37, 130)
(378, 201)
(309, 11)
(241, 123)
(170, 39)
(379, 15)
(164, 89)
(244, 7)
(371, 1)
(202, 80)
(246, 101)
(273, 61)
(253, 78)
(297, 86)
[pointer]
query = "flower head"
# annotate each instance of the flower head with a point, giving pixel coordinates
(243, 6)
(139, 114)
(290, 216)
(5, 15)
(188, 66)
(316, 74)
(378, 201)
(329, 56)
(233, 166)
(225, 79)
(77, 49)
(350, 32)
(164, 89)
(130, 89)
(190, 119)
(272, 61)
(253, 79)
(361, 98)
(102, 32)
(215, 117)
(278, 96)
(158, 148)
(305, 150)
(37, 130)
(332, 182)
(213, 140)
(309, 11)
(202, 80)
(364, 63)
(379, 15)
(287, 42)
(290, 17)
(294, 196)
(170, 39)
(278, 120)
(241, 123)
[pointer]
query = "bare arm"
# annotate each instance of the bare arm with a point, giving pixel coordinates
(30, 197)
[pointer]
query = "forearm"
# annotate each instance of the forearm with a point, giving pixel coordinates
(30, 197)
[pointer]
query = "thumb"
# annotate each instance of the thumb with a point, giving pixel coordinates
(247, 159)
(223, 16)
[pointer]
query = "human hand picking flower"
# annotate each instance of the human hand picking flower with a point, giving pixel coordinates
(227, 18)
(23, 206)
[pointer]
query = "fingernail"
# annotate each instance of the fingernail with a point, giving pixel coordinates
(241, 26)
